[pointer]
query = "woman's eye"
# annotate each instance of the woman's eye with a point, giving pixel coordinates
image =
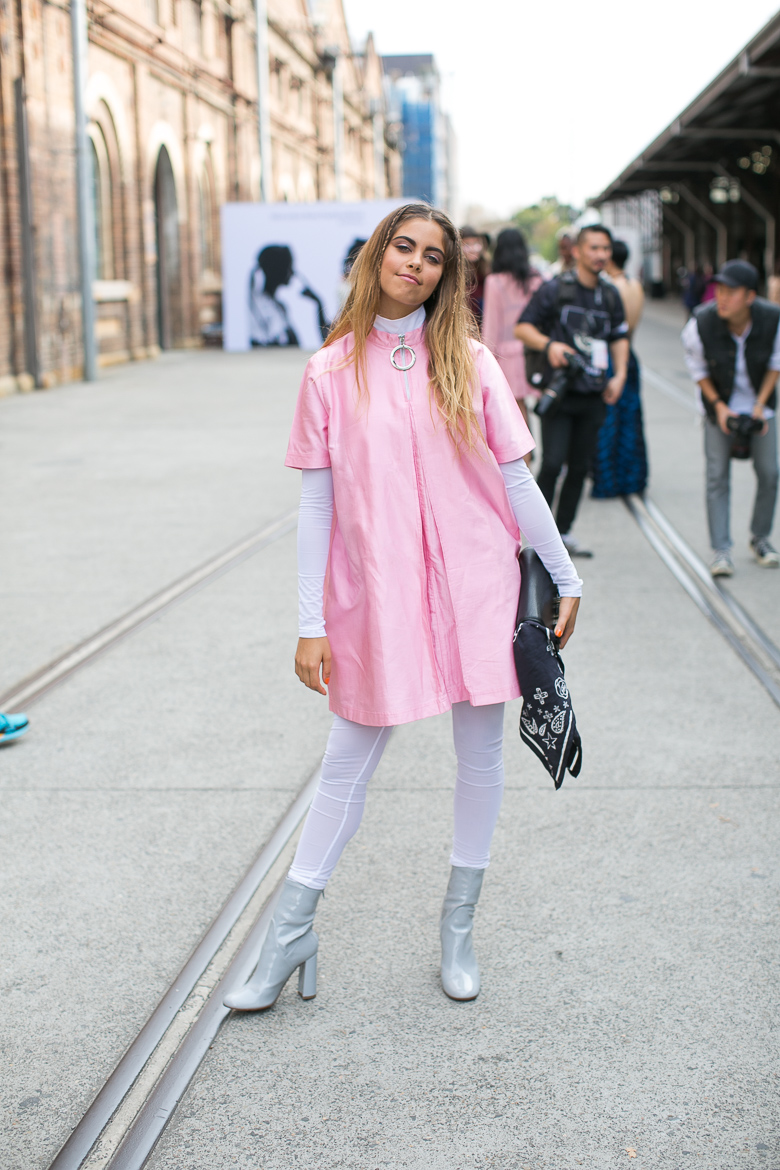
(434, 259)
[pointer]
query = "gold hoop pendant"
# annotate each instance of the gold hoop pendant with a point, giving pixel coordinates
(404, 349)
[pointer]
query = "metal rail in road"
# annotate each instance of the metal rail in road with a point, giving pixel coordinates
(711, 596)
(124, 1122)
(742, 633)
(130, 1112)
(29, 689)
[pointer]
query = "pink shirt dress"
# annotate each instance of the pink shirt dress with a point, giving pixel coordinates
(504, 303)
(422, 582)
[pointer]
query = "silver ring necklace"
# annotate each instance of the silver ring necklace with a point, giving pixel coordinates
(404, 349)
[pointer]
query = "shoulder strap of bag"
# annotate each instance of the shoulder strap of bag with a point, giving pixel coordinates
(567, 289)
(537, 368)
(611, 294)
(709, 324)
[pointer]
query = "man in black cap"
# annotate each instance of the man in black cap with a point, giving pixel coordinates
(732, 350)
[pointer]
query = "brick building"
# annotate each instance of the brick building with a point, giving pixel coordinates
(172, 106)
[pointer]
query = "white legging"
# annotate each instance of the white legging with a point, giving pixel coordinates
(351, 758)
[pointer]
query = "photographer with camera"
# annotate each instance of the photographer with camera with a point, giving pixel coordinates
(732, 350)
(574, 322)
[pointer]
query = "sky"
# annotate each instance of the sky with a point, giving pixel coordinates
(556, 98)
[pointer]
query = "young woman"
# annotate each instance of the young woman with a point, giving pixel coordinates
(475, 246)
(508, 290)
(414, 489)
(620, 462)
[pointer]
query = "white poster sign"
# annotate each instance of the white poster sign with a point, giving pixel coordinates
(284, 267)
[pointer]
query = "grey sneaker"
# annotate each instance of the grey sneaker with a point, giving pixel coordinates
(764, 553)
(721, 564)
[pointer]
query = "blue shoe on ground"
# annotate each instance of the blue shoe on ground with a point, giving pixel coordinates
(12, 726)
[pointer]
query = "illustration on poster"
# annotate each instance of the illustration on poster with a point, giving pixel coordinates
(282, 307)
(349, 262)
(286, 269)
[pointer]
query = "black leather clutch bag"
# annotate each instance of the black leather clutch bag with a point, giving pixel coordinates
(547, 722)
(539, 595)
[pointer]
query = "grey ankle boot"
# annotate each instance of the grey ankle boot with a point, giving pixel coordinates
(459, 970)
(290, 943)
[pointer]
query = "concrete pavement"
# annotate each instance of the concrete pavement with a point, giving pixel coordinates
(113, 490)
(628, 927)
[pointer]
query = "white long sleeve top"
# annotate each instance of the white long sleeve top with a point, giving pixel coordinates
(315, 519)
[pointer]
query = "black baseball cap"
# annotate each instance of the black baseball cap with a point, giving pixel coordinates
(738, 274)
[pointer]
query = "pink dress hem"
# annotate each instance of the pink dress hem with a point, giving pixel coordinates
(423, 579)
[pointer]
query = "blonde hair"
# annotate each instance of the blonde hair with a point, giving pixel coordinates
(449, 324)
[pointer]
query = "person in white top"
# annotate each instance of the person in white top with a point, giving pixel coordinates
(732, 350)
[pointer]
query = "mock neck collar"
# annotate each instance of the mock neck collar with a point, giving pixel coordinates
(404, 325)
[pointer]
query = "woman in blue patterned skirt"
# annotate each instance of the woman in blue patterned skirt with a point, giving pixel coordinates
(620, 462)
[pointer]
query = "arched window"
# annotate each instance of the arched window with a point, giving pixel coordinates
(102, 204)
(196, 20)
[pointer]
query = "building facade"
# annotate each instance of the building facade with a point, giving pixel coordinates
(172, 103)
(413, 93)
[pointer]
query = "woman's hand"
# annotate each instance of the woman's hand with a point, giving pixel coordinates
(310, 655)
(567, 616)
(614, 389)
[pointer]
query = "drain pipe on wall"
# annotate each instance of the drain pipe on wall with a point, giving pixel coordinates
(78, 23)
(263, 111)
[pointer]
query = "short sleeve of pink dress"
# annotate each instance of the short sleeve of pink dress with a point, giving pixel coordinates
(308, 446)
(506, 431)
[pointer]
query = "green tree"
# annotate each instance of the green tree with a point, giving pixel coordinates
(541, 222)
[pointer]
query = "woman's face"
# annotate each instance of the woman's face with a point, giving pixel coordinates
(411, 267)
(473, 247)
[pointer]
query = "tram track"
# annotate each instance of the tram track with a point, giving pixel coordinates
(130, 1113)
(31, 688)
(121, 1127)
(746, 638)
(123, 1123)
(127, 1117)
(710, 595)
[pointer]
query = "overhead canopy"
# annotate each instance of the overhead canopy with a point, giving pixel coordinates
(722, 151)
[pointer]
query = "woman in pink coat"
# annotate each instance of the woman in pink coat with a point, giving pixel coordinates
(414, 489)
(508, 290)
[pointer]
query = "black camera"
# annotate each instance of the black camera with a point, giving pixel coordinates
(742, 427)
(560, 383)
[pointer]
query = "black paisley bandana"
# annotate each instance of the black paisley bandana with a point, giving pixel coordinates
(547, 722)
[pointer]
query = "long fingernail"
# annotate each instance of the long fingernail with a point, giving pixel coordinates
(327, 680)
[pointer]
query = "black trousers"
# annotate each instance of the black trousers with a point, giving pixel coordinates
(569, 437)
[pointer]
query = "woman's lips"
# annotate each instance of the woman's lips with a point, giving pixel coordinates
(411, 279)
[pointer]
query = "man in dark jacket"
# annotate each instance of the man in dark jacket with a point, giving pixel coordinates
(732, 350)
(577, 312)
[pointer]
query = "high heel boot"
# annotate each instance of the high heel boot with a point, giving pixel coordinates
(459, 970)
(290, 943)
